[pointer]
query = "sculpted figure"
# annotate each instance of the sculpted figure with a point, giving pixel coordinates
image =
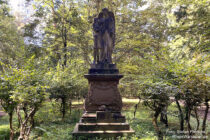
(104, 36)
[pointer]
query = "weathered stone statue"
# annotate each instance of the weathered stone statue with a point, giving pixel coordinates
(103, 102)
(104, 36)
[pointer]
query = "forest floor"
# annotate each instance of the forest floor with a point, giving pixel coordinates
(201, 110)
(49, 124)
(2, 113)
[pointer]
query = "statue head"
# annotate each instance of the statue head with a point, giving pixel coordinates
(105, 12)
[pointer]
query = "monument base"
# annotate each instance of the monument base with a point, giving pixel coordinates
(103, 105)
(102, 124)
(103, 94)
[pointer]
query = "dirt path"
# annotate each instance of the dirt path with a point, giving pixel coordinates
(201, 109)
(2, 113)
(201, 112)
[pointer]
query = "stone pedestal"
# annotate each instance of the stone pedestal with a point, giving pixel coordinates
(103, 93)
(103, 105)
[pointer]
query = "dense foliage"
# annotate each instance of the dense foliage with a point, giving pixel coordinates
(162, 49)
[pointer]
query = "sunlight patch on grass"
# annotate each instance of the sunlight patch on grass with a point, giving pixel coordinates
(127, 100)
(4, 132)
(80, 102)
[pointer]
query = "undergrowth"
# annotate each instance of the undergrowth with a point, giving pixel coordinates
(50, 126)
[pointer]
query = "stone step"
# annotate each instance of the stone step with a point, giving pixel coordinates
(102, 134)
(102, 126)
(112, 120)
(102, 118)
(88, 120)
(94, 120)
(89, 115)
(110, 117)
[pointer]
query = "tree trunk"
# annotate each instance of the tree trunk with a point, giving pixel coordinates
(98, 5)
(70, 104)
(21, 136)
(163, 116)
(32, 120)
(63, 107)
(25, 110)
(25, 128)
(65, 47)
(205, 116)
(136, 107)
(22, 133)
(187, 118)
(154, 121)
(11, 126)
(181, 116)
(197, 118)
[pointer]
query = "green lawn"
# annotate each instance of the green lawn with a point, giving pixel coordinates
(50, 126)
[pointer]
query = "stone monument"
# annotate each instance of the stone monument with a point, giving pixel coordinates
(103, 104)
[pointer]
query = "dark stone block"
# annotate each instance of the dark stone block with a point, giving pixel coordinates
(103, 126)
(103, 71)
(102, 115)
(88, 120)
(103, 77)
(110, 117)
(103, 68)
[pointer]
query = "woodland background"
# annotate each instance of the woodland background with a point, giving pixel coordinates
(162, 49)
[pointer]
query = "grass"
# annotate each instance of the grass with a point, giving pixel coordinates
(4, 132)
(49, 124)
